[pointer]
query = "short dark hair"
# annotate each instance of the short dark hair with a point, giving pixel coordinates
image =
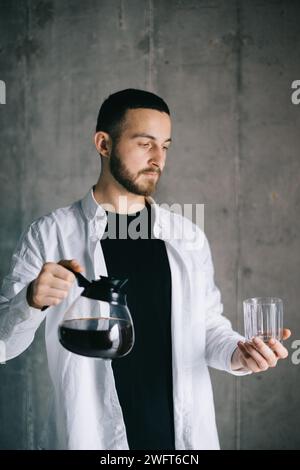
(113, 109)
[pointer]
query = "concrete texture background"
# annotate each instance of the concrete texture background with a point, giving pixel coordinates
(225, 68)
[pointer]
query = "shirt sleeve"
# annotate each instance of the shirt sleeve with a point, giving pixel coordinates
(221, 339)
(19, 321)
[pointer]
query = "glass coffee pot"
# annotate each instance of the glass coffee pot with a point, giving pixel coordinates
(98, 323)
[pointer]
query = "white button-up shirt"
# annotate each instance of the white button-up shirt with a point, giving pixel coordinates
(85, 411)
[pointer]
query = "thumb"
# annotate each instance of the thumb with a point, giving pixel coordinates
(286, 333)
(72, 264)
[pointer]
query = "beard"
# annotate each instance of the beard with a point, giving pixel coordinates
(135, 184)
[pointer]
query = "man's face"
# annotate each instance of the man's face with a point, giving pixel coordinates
(138, 159)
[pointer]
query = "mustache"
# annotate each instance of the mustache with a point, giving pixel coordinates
(152, 170)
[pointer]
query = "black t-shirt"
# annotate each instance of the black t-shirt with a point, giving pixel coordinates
(144, 377)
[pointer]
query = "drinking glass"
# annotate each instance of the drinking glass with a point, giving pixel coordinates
(263, 317)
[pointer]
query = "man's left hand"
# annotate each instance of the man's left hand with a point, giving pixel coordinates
(258, 356)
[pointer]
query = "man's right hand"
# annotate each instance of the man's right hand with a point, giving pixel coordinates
(52, 284)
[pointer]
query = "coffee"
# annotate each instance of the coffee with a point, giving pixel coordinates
(106, 338)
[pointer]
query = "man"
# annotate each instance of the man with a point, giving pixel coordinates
(158, 396)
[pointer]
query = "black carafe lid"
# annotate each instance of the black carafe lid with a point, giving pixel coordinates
(107, 289)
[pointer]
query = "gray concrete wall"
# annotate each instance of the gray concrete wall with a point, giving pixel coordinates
(225, 68)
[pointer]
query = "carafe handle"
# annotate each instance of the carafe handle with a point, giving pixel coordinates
(81, 280)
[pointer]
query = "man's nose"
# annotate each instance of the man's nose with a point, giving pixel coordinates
(158, 158)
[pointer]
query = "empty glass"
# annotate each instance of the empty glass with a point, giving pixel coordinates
(263, 317)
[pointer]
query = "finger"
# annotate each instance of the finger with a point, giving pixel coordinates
(57, 283)
(71, 263)
(45, 294)
(62, 273)
(48, 301)
(250, 363)
(76, 265)
(286, 333)
(265, 351)
(278, 348)
(259, 359)
(60, 294)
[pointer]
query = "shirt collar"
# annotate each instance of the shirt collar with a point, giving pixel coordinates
(92, 209)
(90, 206)
(162, 226)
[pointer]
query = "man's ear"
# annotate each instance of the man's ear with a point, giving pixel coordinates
(103, 143)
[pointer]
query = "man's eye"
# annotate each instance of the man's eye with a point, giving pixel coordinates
(144, 145)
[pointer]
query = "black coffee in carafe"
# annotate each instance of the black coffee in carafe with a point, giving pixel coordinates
(106, 338)
(98, 323)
